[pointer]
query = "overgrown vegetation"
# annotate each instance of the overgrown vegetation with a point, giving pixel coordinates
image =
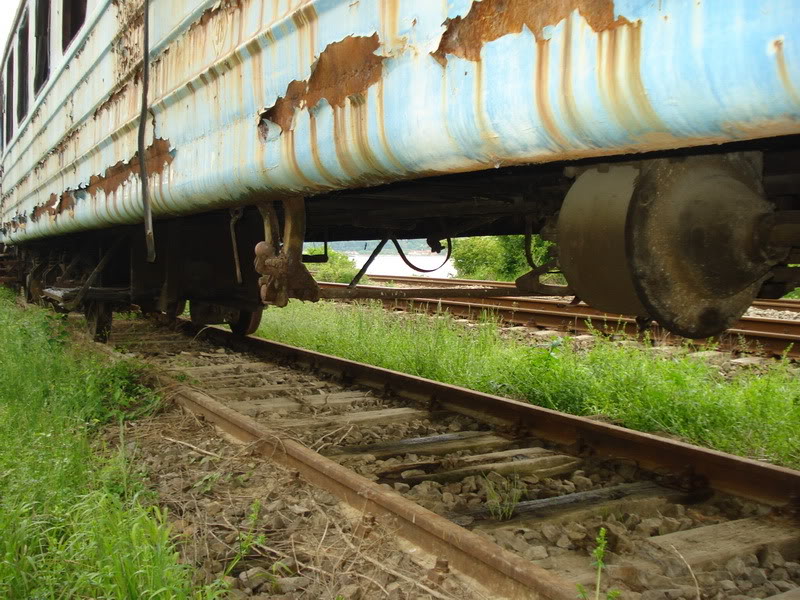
(750, 414)
(497, 257)
(75, 521)
(340, 268)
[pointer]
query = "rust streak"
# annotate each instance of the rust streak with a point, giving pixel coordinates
(492, 19)
(783, 72)
(313, 140)
(343, 69)
(541, 83)
(359, 119)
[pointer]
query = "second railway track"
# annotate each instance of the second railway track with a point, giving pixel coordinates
(437, 462)
(773, 336)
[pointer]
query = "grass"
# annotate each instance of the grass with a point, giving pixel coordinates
(75, 520)
(749, 414)
(502, 496)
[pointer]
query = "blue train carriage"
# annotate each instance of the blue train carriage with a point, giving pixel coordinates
(162, 151)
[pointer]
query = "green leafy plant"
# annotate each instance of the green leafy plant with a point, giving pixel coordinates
(247, 539)
(599, 554)
(500, 257)
(502, 496)
(340, 268)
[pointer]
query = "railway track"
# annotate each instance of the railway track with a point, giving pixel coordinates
(777, 337)
(511, 494)
(787, 304)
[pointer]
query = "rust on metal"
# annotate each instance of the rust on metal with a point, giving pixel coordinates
(56, 205)
(157, 158)
(343, 69)
(724, 472)
(783, 71)
(505, 573)
(489, 20)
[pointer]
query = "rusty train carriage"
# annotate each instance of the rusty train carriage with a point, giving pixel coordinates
(655, 141)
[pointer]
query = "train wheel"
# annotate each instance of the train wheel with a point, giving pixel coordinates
(98, 319)
(673, 240)
(247, 323)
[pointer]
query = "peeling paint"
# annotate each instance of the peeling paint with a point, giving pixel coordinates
(489, 20)
(343, 69)
(360, 101)
(157, 158)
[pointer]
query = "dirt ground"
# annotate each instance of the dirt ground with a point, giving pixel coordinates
(266, 532)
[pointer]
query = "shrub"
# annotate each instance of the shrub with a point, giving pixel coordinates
(340, 268)
(500, 257)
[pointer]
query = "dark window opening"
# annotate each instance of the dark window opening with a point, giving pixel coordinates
(9, 97)
(22, 71)
(42, 32)
(72, 17)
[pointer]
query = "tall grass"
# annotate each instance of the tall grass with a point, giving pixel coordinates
(750, 414)
(74, 523)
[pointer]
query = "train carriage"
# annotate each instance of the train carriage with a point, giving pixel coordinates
(158, 151)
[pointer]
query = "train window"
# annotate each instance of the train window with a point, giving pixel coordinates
(9, 97)
(73, 15)
(42, 32)
(22, 70)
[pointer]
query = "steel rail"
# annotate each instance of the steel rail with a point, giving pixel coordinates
(724, 472)
(788, 304)
(504, 572)
(777, 337)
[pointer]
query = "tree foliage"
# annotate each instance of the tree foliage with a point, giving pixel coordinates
(500, 257)
(340, 268)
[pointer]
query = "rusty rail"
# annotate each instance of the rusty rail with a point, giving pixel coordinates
(788, 304)
(777, 337)
(724, 472)
(502, 571)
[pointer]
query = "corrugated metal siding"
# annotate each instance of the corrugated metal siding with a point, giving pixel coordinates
(401, 88)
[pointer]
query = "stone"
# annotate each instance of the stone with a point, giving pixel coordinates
(668, 525)
(784, 586)
(769, 558)
(351, 592)
(535, 553)
(618, 538)
(291, 584)
(757, 576)
(779, 574)
(582, 483)
(712, 356)
(547, 334)
(749, 361)
(252, 578)
(402, 487)
(563, 542)
(550, 532)
(648, 527)
(575, 531)
(654, 595)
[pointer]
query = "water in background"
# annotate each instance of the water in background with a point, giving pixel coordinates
(392, 264)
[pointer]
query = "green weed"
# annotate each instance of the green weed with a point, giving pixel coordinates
(754, 414)
(502, 496)
(75, 521)
(599, 554)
